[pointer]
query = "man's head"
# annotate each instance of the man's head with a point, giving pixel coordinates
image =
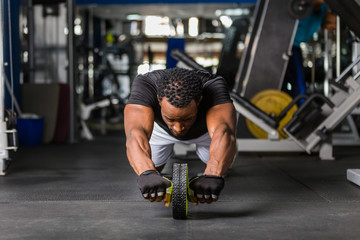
(179, 86)
(179, 94)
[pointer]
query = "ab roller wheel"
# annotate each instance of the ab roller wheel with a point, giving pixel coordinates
(179, 192)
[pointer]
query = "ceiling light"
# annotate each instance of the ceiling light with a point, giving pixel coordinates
(133, 17)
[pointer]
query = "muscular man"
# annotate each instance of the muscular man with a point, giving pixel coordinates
(180, 105)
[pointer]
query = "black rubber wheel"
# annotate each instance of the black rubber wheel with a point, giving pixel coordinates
(179, 194)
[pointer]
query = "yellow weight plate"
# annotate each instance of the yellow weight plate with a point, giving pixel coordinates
(272, 102)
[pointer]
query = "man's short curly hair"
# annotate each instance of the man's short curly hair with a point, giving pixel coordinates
(180, 86)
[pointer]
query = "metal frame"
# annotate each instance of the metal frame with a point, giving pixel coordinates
(273, 134)
(255, 43)
(4, 132)
(71, 75)
(345, 103)
(3, 139)
(273, 143)
(353, 175)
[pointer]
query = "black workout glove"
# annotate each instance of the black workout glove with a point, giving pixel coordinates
(155, 187)
(205, 188)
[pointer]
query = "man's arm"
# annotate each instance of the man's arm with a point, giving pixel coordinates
(221, 124)
(139, 123)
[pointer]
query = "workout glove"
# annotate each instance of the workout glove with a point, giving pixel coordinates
(205, 188)
(155, 187)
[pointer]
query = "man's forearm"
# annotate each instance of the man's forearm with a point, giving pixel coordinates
(139, 155)
(222, 151)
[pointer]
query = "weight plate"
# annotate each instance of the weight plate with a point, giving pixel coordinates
(272, 102)
(300, 9)
(179, 194)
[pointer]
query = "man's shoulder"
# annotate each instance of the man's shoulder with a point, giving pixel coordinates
(210, 80)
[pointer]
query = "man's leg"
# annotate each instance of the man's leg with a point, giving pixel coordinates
(202, 147)
(162, 145)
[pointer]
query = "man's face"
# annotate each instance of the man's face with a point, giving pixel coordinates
(179, 120)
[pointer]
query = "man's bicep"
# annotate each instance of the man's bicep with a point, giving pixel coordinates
(138, 117)
(221, 115)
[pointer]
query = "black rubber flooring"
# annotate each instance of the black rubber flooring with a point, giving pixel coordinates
(87, 190)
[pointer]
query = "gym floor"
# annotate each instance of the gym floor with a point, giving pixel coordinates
(87, 190)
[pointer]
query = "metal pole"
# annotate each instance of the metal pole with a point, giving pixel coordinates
(31, 41)
(355, 54)
(338, 47)
(327, 62)
(57, 47)
(313, 59)
(71, 69)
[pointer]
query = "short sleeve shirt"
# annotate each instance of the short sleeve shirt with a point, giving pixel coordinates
(309, 25)
(145, 88)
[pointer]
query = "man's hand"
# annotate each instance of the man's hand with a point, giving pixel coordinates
(154, 187)
(205, 189)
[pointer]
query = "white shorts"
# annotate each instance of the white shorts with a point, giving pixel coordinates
(162, 144)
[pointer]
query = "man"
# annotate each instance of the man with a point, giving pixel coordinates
(180, 105)
(294, 81)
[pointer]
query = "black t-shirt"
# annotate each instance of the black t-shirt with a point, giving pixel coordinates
(215, 91)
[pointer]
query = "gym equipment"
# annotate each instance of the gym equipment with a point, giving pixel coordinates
(86, 108)
(321, 118)
(312, 124)
(111, 88)
(264, 60)
(8, 134)
(353, 175)
(179, 192)
(8, 137)
(119, 62)
(299, 9)
(271, 102)
(348, 11)
(266, 122)
(309, 114)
